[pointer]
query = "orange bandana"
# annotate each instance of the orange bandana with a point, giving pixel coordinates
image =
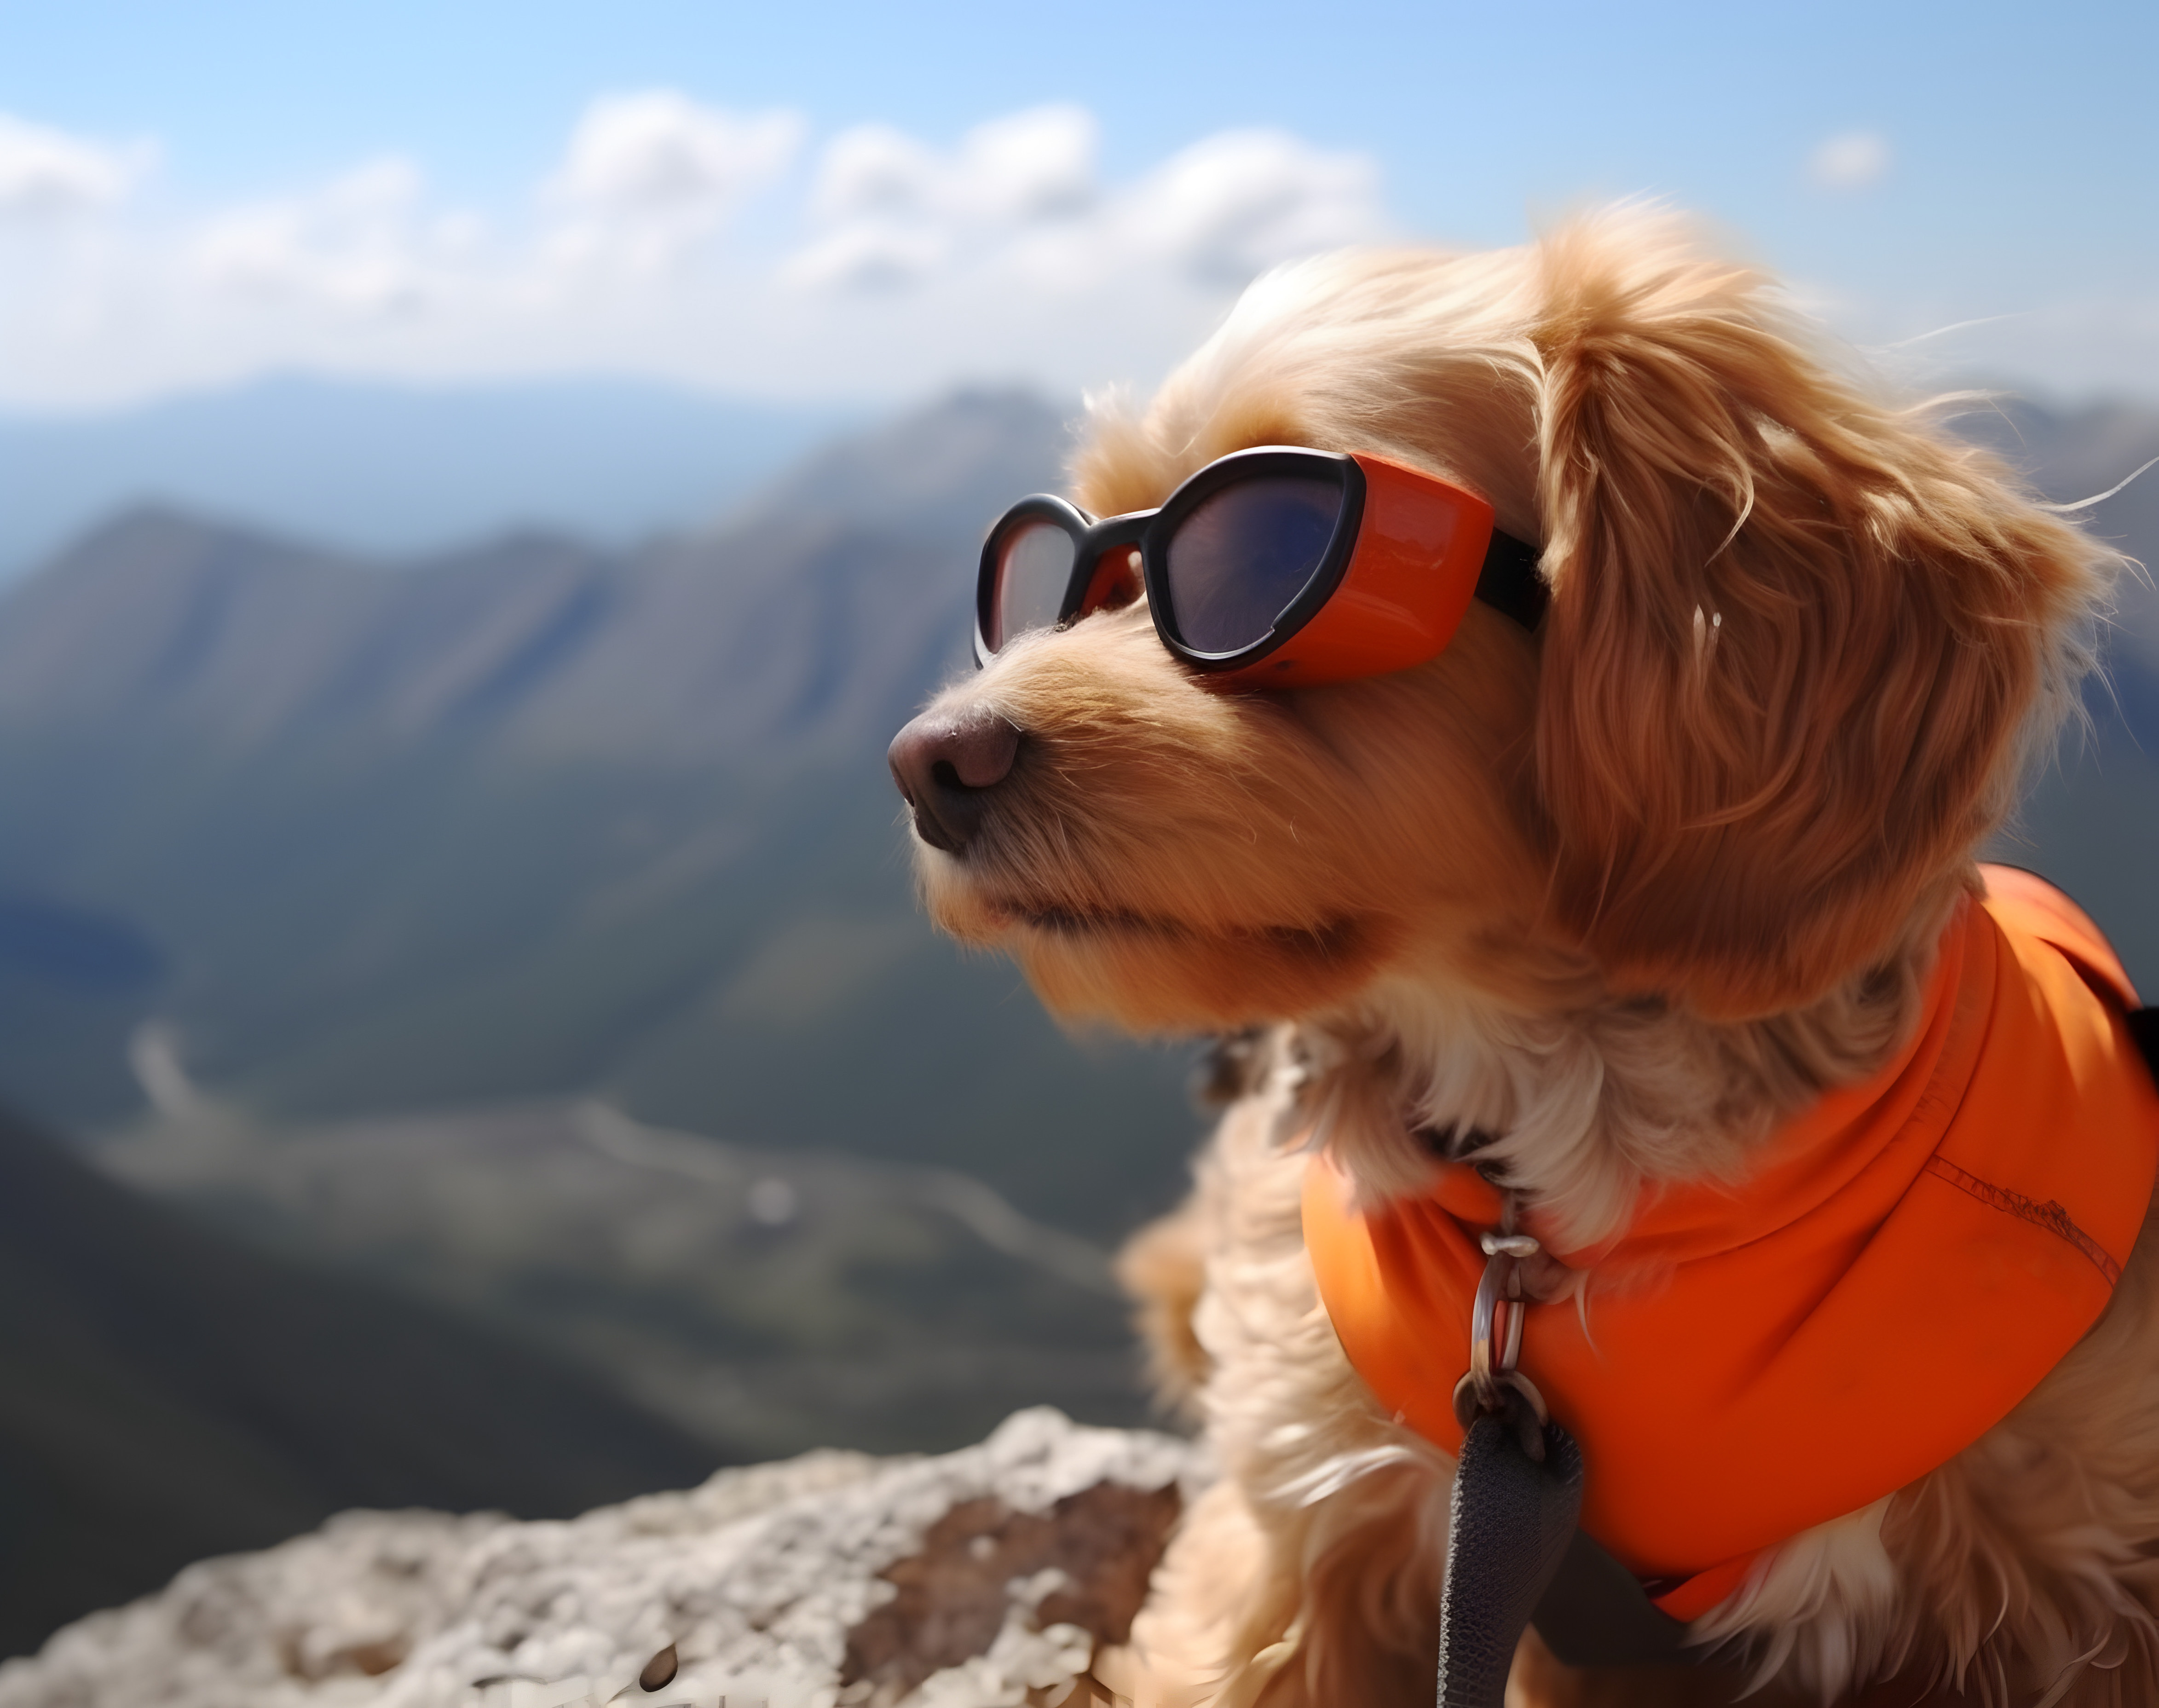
(1906, 1261)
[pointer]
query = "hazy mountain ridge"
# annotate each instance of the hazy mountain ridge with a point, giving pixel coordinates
(2091, 820)
(388, 468)
(2074, 455)
(830, 608)
(831, 601)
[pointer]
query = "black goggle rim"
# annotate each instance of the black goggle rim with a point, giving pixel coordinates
(1507, 581)
(1152, 532)
(1319, 586)
(1091, 540)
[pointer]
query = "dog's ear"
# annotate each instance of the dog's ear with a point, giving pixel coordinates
(1794, 640)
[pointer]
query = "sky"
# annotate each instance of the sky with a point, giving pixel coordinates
(867, 202)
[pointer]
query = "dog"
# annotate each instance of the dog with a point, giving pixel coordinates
(1589, 917)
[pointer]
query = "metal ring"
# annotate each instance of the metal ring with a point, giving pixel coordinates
(1483, 1372)
(1467, 1409)
(1503, 1254)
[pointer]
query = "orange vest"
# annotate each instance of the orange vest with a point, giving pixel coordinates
(1906, 1260)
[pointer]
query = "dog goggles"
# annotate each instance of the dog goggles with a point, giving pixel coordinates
(1268, 568)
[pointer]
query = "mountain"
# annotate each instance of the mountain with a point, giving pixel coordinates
(166, 1394)
(824, 611)
(2091, 818)
(535, 819)
(388, 468)
(2075, 454)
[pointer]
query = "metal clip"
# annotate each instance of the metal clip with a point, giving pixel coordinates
(1493, 1359)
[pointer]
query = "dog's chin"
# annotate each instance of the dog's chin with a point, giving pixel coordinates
(1152, 974)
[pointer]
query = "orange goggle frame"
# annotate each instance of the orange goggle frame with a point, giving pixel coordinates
(1271, 568)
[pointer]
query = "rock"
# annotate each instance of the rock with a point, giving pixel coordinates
(981, 1577)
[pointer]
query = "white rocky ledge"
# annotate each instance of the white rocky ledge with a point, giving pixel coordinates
(986, 1576)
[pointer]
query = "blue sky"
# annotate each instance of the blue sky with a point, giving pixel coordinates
(455, 191)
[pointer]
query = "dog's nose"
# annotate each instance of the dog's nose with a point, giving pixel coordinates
(946, 764)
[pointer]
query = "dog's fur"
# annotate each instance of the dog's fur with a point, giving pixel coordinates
(1618, 898)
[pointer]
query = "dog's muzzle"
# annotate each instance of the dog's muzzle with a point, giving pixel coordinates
(946, 765)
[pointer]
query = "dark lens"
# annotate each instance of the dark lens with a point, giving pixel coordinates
(1034, 567)
(1244, 554)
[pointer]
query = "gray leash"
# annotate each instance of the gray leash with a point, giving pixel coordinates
(1517, 1491)
(1514, 1556)
(1511, 1521)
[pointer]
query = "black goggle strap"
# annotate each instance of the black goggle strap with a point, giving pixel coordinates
(1509, 584)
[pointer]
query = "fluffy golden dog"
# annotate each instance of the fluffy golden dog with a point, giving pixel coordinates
(1624, 894)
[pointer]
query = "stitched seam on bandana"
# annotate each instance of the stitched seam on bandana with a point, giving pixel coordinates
(2049, 1215)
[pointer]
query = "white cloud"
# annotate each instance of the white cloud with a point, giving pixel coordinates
(894, 265)
(1850, 160)
(875, 172)
(1230, 206)
(653, 172)
(1019, 200)
(44, 171)
(353, 247)
(687, 242)
(894, 211)
(1033, 165)
(869, 254)
(661, 152)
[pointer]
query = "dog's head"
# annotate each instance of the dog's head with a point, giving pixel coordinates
(1795, 642)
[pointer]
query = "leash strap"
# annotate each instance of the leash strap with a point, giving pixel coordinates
(1508, 1527)
(1515, 1553)
(1596, 1612)
(1517, 1496)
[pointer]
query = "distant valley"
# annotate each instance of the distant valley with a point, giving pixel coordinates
(761, 1302)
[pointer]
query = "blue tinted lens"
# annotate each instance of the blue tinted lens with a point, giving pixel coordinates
(1034, 567)
(1243, 555)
